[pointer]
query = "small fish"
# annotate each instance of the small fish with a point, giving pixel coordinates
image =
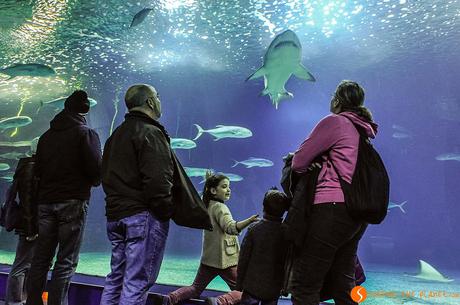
(392, 205)
(14, 155)
(14, 122)
(7, 178)
(38, 70)
(58, 103)
(400, 128)
(180, 143)
(254, 162)
(400, 135)
(196, 171)
(448, 157)
(4, 166)
(26, 143)
(232, 177)
(140, 16)
(222, 131)
(282, 59)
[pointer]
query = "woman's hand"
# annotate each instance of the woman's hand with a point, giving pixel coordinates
(313, 166)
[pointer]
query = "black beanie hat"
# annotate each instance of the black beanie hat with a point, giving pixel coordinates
(77, 102)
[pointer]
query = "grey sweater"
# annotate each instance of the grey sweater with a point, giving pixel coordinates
(261, 262)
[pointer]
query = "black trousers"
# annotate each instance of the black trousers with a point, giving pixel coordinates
(58, 224)
(15, 287)
(328, 256)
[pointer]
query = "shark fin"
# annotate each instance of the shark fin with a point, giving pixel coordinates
(429, 273)
(264, 92)
(236, 163)
(302, 73)
(259, 73)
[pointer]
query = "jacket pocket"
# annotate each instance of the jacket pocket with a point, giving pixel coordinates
(231, 246)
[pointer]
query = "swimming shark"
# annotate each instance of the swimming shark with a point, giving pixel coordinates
(281, 60)
(429, 273)
(38, 70)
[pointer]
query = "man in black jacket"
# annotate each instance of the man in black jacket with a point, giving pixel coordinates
(68, 165)
(137, 177)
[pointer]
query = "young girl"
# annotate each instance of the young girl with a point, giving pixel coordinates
(220, 246)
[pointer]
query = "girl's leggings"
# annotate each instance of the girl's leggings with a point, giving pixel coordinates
(203, 277)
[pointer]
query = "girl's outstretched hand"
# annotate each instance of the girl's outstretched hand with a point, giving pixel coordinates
(254, 218)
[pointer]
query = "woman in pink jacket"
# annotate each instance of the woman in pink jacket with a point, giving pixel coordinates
(329, 251)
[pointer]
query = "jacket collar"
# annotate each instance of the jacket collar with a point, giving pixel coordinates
(137, 115)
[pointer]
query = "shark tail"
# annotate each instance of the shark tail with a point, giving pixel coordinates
(280, 96)
(200, 131)
(236, 163)
(302, 73)
(259, 73)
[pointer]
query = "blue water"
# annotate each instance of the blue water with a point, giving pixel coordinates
(198, 54)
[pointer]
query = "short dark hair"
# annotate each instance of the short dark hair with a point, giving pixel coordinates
(137, 95)
(275, 202)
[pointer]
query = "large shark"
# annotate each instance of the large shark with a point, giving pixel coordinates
(281, 60)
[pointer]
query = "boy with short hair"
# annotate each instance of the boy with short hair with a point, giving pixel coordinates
(262, 254)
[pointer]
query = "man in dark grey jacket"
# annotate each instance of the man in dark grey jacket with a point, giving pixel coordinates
(137, 177)
(262, 254)
(68, 165)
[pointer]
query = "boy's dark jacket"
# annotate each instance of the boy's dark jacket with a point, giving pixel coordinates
(260, 264)
(301, 188)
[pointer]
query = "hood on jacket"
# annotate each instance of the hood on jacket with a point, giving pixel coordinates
(370, 128)
(66, 119)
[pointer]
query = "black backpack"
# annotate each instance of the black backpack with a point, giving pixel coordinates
(21, 215)
(367, 196)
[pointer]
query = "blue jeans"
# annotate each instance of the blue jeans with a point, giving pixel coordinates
(138, 244)
(15, 287)
(248, 299)
(58, 224)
